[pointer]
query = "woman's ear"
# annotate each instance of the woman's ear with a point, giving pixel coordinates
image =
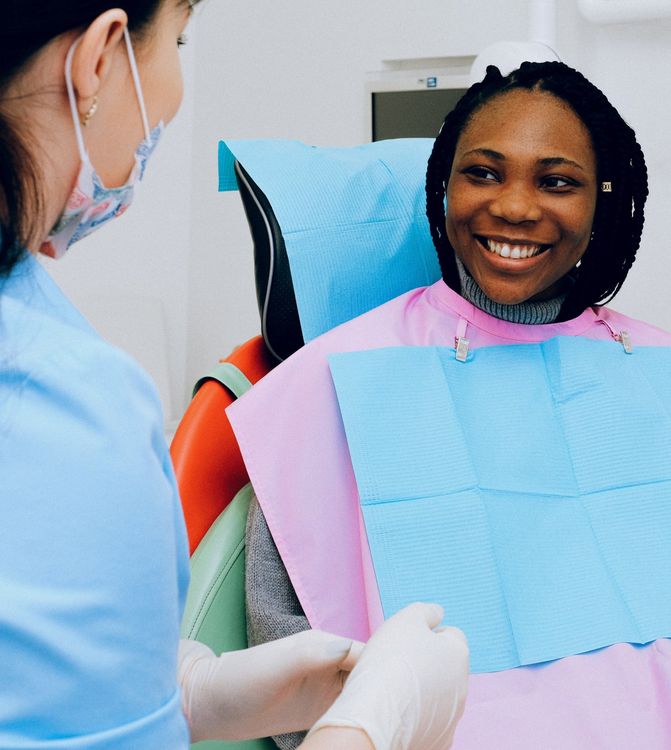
(92, 59)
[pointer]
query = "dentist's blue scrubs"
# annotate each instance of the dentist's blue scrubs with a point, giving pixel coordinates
(93, 554)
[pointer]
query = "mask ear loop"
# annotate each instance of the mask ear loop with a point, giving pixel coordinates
(83, 154)
(138, 87)
(73, 101)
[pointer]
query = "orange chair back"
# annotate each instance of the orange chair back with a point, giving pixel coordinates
(204, 451)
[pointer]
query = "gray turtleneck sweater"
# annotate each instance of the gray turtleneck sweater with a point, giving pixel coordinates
(273, 609)
(530, 313)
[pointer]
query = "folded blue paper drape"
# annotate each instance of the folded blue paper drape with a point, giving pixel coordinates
(353, 220)
(527, 490)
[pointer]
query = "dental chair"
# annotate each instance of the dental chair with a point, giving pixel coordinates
(207, 462)
(212, 479)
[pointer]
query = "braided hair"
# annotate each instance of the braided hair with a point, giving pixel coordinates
(618, 218)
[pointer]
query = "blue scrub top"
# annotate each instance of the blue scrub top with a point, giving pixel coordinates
(93, 552)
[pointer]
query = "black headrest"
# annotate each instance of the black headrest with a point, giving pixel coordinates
(280, 324)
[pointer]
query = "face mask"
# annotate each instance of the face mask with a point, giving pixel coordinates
(91, 204)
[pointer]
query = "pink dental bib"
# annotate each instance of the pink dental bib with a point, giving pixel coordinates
(291, 435)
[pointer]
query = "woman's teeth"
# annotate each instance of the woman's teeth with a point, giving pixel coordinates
(506, 250)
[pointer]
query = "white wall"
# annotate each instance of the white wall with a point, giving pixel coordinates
(182, 258)
(631, 63)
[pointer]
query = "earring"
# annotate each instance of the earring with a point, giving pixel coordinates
(91, 111)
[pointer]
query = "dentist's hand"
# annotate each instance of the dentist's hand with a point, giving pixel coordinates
(281, 686)
(408, 689)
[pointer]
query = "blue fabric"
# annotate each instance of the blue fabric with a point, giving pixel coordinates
(353, 220)
(93, 553)
(527, 490)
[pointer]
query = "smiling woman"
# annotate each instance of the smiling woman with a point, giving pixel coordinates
(472, 428)
(545, 187)
(521, 196)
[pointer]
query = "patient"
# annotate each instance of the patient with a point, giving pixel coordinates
(545, 187)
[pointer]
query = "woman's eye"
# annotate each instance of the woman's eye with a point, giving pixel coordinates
(555, 182)
(481, 173)
(182, 39)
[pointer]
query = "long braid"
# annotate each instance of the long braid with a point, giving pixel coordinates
(619, 215)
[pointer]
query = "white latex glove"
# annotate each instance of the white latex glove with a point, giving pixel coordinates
(407, 691)
(282, 686)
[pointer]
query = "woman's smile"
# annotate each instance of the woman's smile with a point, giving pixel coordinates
(512, 258)
(512, 248)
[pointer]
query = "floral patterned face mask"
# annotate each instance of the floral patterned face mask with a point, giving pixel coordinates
(91, 204)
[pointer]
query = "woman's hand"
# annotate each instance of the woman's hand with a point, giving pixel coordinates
(409, 687)
(281, 686)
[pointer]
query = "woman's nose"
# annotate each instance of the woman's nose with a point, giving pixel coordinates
(515, 204)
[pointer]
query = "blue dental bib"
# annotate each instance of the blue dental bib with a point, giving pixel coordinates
(527, 490)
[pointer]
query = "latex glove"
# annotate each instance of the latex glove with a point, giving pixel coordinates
(409, 687)
(281, 686)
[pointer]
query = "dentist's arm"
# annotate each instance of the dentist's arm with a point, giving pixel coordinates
(406, 693)
(277, 687)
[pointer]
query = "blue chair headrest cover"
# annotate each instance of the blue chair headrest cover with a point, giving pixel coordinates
(353, 220)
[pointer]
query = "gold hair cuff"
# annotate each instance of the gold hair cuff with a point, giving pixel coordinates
(607, 187)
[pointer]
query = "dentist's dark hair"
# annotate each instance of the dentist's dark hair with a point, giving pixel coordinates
(618, 218)
(26, 26)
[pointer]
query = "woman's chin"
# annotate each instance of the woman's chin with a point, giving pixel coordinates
(506, 297)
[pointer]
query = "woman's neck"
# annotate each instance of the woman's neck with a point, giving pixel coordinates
(530, 313)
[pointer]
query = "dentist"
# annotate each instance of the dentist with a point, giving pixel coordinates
(93, 557)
